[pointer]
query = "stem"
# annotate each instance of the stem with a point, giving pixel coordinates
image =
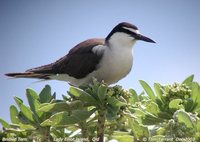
(101, 125)
(48, 136)
(84, 129)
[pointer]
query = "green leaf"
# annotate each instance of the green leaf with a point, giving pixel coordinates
(124, 138)
(161, 131)
(196, 93)
(148, 90)
(102, 91)
(157, 88)
(145, 117)
(62, 119)
(13, 114)
(138, 129)
(138, 111)
(143, 97)
(151, 119)
(25, 110)
(62, 106)
(33, 94)
(23, 118)
(183, 117)
(188, 80)
(153, 108)
(15, 131)
(120, 133)
(197, 109)
(82, 95)
(82, 115)
(160, 138)
(58, 133)
(134, 98)
(115, 102)
(189, 105)
(4, 123)
(112, 111)
(27, 127)
(176, 104)
(33, 100)
(198, 125)
(45, 94)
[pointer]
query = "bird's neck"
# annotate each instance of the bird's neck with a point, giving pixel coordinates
(121, 41)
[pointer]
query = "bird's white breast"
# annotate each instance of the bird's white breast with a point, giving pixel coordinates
(116, 63)
(117, 59)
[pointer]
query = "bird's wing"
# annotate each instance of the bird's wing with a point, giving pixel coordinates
(78, 63)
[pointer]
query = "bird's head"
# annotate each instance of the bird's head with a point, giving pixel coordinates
(126, 34)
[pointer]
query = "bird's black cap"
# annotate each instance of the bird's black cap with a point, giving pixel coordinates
(121, 28)
(130, 29)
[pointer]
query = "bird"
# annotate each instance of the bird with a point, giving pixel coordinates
(106, 59)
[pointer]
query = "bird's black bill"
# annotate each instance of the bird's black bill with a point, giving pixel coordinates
(144, 38)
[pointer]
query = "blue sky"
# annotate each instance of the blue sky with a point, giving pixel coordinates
(34, 33)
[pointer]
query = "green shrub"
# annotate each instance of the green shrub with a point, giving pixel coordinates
(101, 113)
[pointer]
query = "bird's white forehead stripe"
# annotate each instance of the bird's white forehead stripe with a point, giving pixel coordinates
(132, 30)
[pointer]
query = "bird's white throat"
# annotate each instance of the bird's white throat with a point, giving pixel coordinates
(121, 40)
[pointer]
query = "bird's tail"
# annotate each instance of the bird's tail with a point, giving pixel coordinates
(29, 75)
